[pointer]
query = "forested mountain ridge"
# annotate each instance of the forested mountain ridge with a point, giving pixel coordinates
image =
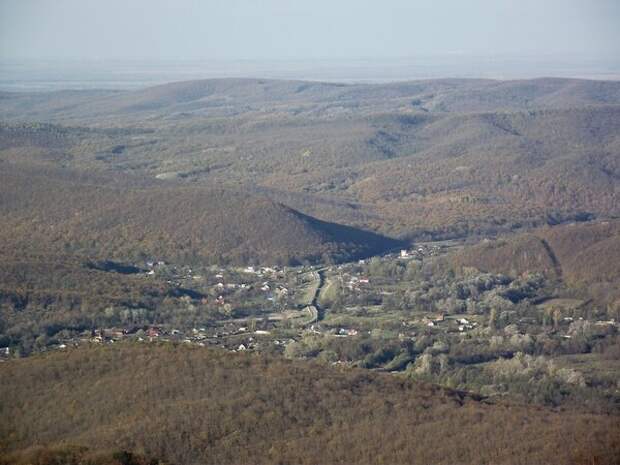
(516, 154)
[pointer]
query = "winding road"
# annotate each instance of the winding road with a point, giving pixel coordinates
(316, 312)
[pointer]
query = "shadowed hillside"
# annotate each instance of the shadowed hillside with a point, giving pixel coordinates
(50, 211)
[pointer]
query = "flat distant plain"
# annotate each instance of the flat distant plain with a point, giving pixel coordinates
(47, 75)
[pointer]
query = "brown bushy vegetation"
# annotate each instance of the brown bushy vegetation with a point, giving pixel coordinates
(233, 96)
(73, 455)
(421, 159)
(189, 405)
(585, 255)
(514, 256)
(47, 210)
(44, 296)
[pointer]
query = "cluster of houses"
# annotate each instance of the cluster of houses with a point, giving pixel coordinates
(459, 324)
(264, 271)
(239, 339)
(152, 265)
(344, 332)
(421, 251)
(338, 332)
(5, 352)
(355, 283)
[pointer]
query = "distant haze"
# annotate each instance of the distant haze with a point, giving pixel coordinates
(352, 39)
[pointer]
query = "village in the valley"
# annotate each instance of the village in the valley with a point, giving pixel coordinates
(383, 312)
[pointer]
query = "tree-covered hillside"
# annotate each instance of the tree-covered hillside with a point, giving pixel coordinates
(190, 406)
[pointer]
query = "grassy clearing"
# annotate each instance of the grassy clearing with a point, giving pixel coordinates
(307, 292)
(329, 292)
(593, 367)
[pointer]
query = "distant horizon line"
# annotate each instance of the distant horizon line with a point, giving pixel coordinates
(127, 86)
(444, 55)
(39, 75)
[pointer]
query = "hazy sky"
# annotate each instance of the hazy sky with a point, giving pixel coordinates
(309, 29)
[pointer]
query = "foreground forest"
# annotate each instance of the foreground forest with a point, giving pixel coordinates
(185, 405)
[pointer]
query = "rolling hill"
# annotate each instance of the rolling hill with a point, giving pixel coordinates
(418, 159)
(585, 256)
(51, 210)
(228, 97)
